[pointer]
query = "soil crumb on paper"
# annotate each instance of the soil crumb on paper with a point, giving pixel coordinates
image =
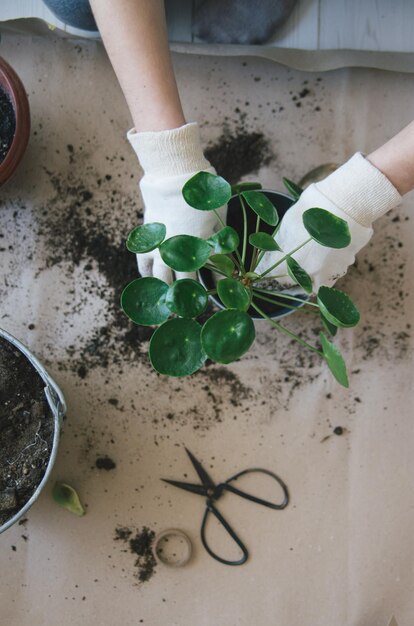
(140, 544)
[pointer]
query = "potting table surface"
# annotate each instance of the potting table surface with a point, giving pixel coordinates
(342, 552)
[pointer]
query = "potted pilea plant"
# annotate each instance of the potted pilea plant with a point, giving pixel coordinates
(182, 343)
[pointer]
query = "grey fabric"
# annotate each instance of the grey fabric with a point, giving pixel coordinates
(240, 21)
(76, 13)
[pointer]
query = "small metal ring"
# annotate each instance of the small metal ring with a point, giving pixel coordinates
(178, 559)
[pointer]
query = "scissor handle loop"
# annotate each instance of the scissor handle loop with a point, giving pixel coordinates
(226, 485)
(212, 509)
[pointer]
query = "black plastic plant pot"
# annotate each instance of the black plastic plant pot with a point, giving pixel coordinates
(282, 202)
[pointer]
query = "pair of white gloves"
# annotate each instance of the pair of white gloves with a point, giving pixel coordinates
(357, 192)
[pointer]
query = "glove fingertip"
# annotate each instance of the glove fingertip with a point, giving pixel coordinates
(161, 271)
(144, 265)
(182, 275)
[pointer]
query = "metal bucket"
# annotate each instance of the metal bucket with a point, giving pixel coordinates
(57, 405)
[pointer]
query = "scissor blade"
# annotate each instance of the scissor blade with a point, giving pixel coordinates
(198, 489)
(204, 477)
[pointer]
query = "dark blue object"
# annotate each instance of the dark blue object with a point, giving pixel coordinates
(76, 13)
(213, 492)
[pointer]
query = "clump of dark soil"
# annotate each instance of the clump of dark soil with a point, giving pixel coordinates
(26, 430)
(105, 462)
(239, 151)
(7, 124)
(141, 545)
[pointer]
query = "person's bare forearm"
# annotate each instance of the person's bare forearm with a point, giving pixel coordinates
(395, 159)
(135, 36)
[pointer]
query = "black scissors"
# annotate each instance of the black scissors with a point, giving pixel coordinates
(213, 492)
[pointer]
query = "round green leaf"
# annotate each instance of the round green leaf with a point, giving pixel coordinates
(223, 263)
(175, 348)
(262, 206)
(225, 240)
(146, 237)
(294, 189)
(297, 273)
(330, 328)
(227, 335)
(185, 253)
(334, 360)
(263, 241)
(327, 229)
(186, 298)
(337, 307)
(143, 300)
(233, 294)
(235, 189)
(206, 191)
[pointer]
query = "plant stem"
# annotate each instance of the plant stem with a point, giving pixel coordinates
(263, 252)
(239, 262)
(255, 250)
(213, 268)
(211, 292)
(272, 267)
(220, 219)
(283, 304)
(243, 206)
(280, 294)
(286, 331)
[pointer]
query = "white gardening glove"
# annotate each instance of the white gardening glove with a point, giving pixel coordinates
(358, 193)
(169, 158)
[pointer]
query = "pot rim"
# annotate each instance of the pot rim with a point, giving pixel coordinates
(57, 405)
(13, 86)
(256, 317)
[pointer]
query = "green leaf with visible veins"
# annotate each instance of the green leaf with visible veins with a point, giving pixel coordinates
(327, 229)
(337, 307)
(335, 361)
(227, 335)
(175, 348)
(206, 191)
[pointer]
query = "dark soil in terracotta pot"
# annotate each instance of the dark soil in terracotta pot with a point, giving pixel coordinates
(26, 430)
(7, 124)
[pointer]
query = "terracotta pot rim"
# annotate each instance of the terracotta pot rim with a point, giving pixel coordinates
(13, 86)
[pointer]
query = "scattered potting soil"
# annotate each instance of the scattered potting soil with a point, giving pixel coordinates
(79, 231)
(26, 430)
(140, 544)
(81, 227)
(7, 124)
(239, 150)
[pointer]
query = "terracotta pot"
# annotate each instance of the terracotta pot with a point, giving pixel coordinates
(12, 85)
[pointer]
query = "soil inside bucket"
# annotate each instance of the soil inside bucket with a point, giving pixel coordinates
(26, 430)
(7, 124)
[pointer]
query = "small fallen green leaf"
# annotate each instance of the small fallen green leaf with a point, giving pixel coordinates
(66, 496)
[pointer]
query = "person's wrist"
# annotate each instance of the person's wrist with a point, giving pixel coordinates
(169, 153)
